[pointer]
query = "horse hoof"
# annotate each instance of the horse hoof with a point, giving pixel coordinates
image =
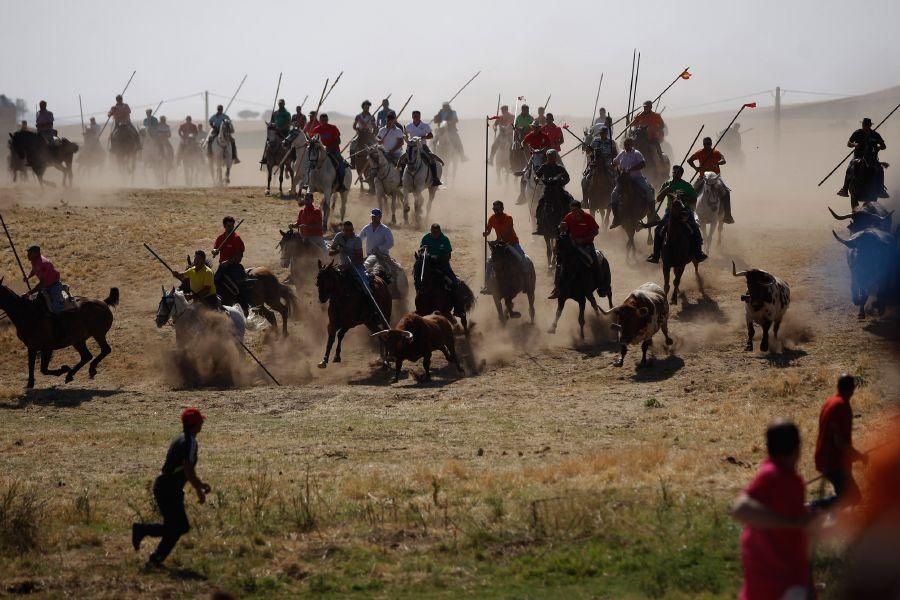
(552, 330)
(764, 347)
(515, 315)
(322, 364)
(30, 385)
(669, 341)
(618, 363)
(748, 348)
(337, 359)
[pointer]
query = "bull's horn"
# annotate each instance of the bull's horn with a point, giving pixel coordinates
(381, 333)
(838, 217)
(735, 272)
(163, 288)
(408, 335)
(844, 242)
(611, 311)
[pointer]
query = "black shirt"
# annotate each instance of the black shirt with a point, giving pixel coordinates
(870, 142)
(182, 448)
(553, 174)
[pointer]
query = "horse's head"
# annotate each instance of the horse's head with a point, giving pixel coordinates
(18, 143)
(414, 149)
(314, 150)
(166, 306)
(226, 130)
(327, 280)
(286, 244)
(679, 212)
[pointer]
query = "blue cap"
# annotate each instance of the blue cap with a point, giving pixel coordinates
(376, 212)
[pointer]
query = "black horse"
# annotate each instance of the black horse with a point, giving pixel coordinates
(518, 156)
(34, 149)
(434, 293)
(632, 208)
(658, 165)
(596, 188)
(579, 278)
(513, 275)
(678, 248)
(864, 180)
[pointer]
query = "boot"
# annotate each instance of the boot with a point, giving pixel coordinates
(615, 220)
(728, 218)
(697, 238)
(435, 180)
(843, 192)
(554, 295)
(657, 246)
(234, 155)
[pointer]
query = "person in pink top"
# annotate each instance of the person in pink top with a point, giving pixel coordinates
(48, 278)
(775, 541)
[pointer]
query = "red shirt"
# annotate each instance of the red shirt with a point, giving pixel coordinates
(581, 225)
(836, 419)
(310, 125)
(311, 219)
(503, 225)
(186, 129)
(233, 246)
(45, 272)
(775, 559)
(554, 135)
(537, 140)
(708, 159)
(329, 135)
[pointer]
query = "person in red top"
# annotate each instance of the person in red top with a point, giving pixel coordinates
(311, 123)
(652, 121)
(309, 222)
(581, 228)
(553, 133)
(330, 136)
(186, 129)
(775, 540)
(835, 453)
(536, 140)
(49, 282)
(709, 159)
(229, 247)
(501, 223)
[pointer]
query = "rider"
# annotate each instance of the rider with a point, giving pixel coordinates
(438, 245)
(603, 152)
(417, 128)
(381, 117)
(391, 138)
(536, 143)
(350, 248)
(215, 122)
(523, 119)
(92, 135)
(201, 280)
(150, 123)
(330, 136)
(710, 159)
(379, 241)
(582, 229)
(448, 115)
(281, 123)
(502, 224)
(553, 132)
(677, 186)
(298, 119)
(311, 123)
(654, 124)
(502, 122)
(555, 178)
(231, 252)
(866, 143)
(599, 123)
(631, 161)
(309, 222)
(163, 134)
(364, 126)
(49, 282)
(43, 123)
(187, 129)
(541, 117)
(121, 116)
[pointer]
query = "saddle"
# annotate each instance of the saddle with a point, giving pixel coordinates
(70, 302)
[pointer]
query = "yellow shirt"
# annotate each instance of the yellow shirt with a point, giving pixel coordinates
(200, 278)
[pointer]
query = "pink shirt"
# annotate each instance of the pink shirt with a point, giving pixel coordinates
(775, 559)
(45, 272)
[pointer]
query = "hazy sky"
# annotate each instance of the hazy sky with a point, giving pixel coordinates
(62, 48)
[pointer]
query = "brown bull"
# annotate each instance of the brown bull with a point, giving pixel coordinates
(416, 337)
(644, 312)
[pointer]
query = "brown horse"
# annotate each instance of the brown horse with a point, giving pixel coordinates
(265, 293)
(349, 306)
(34, 326)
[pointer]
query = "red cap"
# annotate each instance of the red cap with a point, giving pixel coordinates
(192, 416)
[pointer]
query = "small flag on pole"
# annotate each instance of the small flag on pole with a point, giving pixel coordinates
(685, 74)
(520, 98)
(750, 105)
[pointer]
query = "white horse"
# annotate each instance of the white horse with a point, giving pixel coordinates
(175, 307)
(315, 170)
(417, 178)
(502, 163)
(221, 153)
(711, 206)
(387, 180)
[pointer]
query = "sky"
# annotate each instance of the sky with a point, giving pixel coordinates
(429, 49)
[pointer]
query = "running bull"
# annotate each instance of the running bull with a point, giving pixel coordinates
(416, 337)
(870, 215)
(644, 312)
(766, 300)
(872, 258)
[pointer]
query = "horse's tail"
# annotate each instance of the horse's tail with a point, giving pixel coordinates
(289, 297)
(466, 297)
(113, 298)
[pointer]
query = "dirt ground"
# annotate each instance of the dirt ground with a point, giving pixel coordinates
(543, 413)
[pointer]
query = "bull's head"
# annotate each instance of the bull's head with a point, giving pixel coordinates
(759, 284)
(394, 340)
(865, 218)
(628, 320)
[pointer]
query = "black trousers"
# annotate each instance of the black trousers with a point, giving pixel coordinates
(170, 500)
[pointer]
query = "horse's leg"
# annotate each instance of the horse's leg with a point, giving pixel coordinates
(560, 302)
(32, 355)
(666, 279)
(331, 332)
(46, 357)
(678, 272)
(105, 349)
(465, 324)
(500, 312)
(581, 317)
(85, 357)
(343, 203)
(530, 294)
(340, 339)
(268, 180)
(699, 279)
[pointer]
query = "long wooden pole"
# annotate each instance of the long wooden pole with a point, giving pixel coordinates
(691, 147)
(81, 112)
(637, 75)
(465, 85)
(668, 87)
(259, 362)
(487, 126)
(240, 85)
(851, 152)
(278, 91)
(15, 253)
(724, 131)
(125, 89)
(596, 101)
(627, 114)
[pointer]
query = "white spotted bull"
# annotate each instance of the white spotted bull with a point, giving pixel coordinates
(766, 301)
(644, 312)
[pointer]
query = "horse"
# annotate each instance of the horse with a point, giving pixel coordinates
(432, 294)
(863, 182)
(579, 279)
(551, 208)
(711, 206)
(596, 190)
(32, 148)
(658, 165)
(531, 188)
(191, 157)
(295, 251)
(36, 328)
(677, 248)
(277, 157)
(17, 165)
(359, 161)
(124, 144)
(445, 147)
(513, 275)
(349, 306)
(221, 153)
(417, 178)
(502, 160)
(386, 180)
(155, 154)
(518, 156)
(315, 169)
(398, 284)
(264, 292)
(632, 208)
(91, 156)
(174, 307)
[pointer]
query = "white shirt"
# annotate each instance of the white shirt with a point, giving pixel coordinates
(380, 239)
(420, 130)
(627, 160)
(388, 138)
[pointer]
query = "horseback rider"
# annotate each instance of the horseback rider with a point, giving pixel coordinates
(422, 130)
(121, 116)
(92, 135)
(49, 283)
(866, 143)
(298, 119)
(311, 123)
(555, 178)
(678, 187)
(215, 122)
(163, 135)
(330, 136)
(390, 137)
(201, 280)
(309, 222)
(523, 120)
(502, 122)
(536, 143)
(379, 241)
(350, 248)
(43, 123)
(731, 138)
(150, 123)
(381, 117)
(281, 124)
(553, 132)
(448, 115)
(187, 129)
(541, 117)
(581, 229)
(631, 161)
(599, 123)
(437, 245)
(709, 160)
(230, 249)
(502, 224)
(653, 123)
(364, 126)
(603, 151)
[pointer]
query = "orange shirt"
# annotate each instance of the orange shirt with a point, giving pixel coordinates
(653, 122)
(503, 225)
(708, 159)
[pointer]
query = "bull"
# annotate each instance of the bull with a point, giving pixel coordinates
(766, 301)
(870, 215)
(416, 337)
(872, 258)
(644, 312)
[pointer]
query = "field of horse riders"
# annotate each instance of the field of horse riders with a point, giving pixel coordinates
(543, 471)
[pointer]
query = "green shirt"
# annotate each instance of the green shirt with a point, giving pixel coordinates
(524, 121)
(439, 247)
(282, 119)
(674, 186)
